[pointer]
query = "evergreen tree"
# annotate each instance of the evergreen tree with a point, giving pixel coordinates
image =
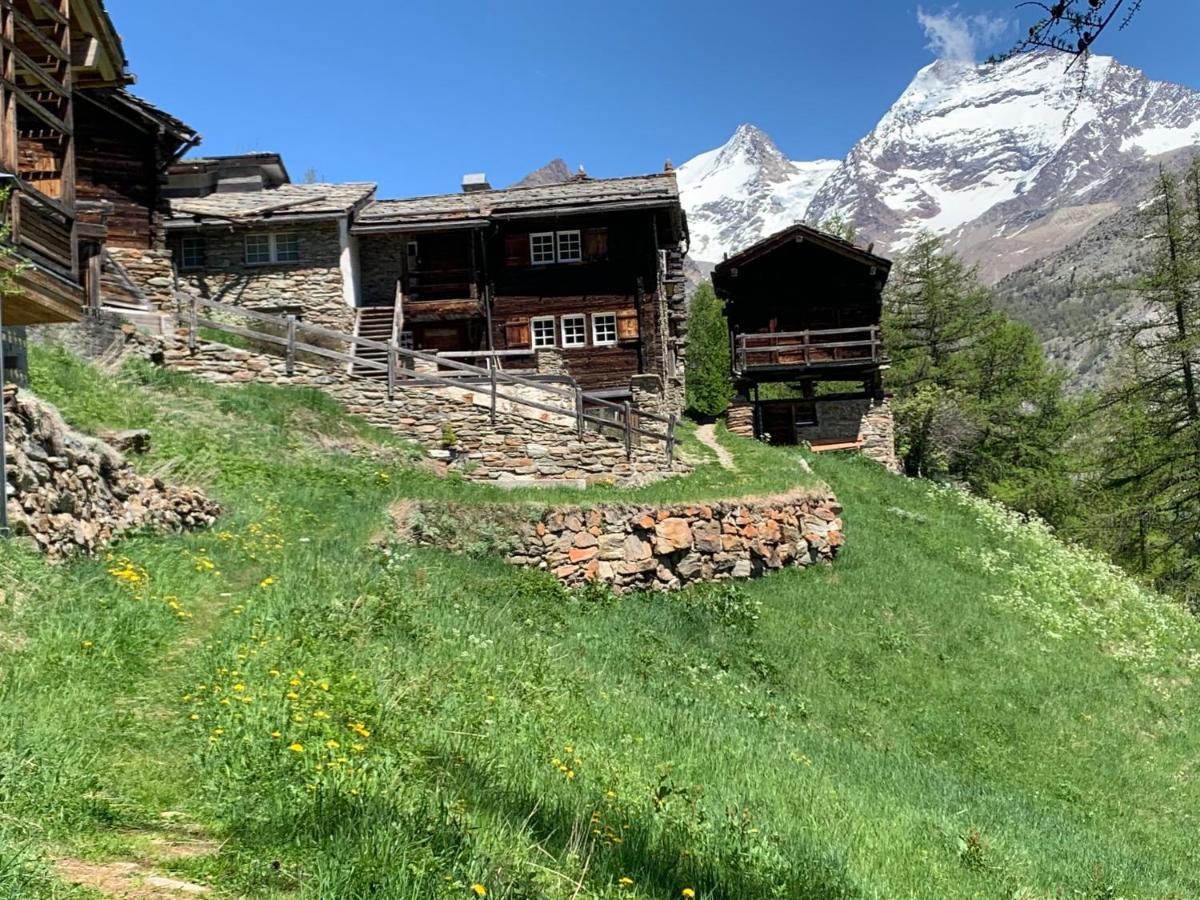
(974, 397)
(709, 384)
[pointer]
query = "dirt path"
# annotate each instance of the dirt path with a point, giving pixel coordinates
(707, 435)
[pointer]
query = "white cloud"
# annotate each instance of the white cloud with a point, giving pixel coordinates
(959, 37)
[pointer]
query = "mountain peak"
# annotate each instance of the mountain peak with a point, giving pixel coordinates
(553, 172)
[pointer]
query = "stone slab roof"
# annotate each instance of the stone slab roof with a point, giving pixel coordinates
(480, 205)
(288, 201)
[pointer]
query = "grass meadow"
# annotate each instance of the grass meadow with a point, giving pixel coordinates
(960, 707)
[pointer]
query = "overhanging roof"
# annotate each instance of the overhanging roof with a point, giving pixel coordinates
(479, 207)
(799, 234)
(288, 202)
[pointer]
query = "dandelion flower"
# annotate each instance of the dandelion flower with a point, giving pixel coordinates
(479, 890)
(625, 881)
(297, 748)
(688, 892)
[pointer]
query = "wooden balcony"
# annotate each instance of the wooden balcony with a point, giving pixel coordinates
(785, 354)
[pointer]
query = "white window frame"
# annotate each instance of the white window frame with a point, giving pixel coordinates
(194, 243)
(579, 319)
(558, 246)
(273, 255)
(596, 318)
(535, 253)
(539, 343)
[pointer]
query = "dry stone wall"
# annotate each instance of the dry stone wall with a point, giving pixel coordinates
(842, 420)
(453, 424)
(71, 493)
(666, 548)
(153, 271)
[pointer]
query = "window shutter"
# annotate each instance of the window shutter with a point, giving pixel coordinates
(595, 244)
(516, 333)
(627, 325)
(516, 250)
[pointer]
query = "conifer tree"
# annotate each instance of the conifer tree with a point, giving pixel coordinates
(709, 384)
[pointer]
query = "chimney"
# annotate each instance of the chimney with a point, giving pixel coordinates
(475, 182)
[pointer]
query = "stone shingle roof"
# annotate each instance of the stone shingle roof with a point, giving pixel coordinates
(288, 201)
(479, 205)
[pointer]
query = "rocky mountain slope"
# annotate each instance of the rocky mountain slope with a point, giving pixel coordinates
(1011, 162)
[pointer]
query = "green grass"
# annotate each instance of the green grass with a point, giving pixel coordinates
(961, 707)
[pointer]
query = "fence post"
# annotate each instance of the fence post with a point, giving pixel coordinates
(291, 346)
(628, 430)
(192, 325)
(492, 376)
(671, 442)
(391, 372)
(580, 421)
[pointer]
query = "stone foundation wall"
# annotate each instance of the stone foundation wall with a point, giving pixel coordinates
(71, 493)
(740, 419)
(522, 445)
(153, 271)
(311, 289)
(643, 547)
(840, 421)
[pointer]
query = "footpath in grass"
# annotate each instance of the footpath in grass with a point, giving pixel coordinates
(959, 708)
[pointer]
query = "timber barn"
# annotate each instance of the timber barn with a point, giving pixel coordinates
(805, 311)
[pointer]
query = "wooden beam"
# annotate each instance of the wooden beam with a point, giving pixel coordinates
(39, 74)
(53, 121)
(49, 10)
(31, 28)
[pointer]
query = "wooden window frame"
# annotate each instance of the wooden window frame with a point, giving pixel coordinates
(277, 253)
(610, 316)
(558, 245)
(573, 318)
(534, 253)
(192, 242)
(262, 242)
(536, 341)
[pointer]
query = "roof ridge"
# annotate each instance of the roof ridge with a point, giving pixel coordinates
(528, 187)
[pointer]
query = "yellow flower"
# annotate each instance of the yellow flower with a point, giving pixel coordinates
(88, 645)
(276, 734)
(479, 890)
(297, 748)
(625, 881)
(266, 582)
(194, 717)
(688, 892)
(332, 745)
(239, 687)
(568, 749)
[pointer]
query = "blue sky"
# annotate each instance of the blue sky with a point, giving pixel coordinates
(414, 93)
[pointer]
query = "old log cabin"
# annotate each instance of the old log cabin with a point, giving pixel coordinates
(804, 311)
(82, 159)
(582, 279)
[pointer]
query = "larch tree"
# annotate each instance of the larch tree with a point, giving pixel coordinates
(709, 376)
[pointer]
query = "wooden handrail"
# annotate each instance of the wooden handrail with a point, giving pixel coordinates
(576, 396)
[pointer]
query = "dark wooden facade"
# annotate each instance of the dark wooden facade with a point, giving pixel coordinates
(588, 272)
(52, 52)
(805, 309)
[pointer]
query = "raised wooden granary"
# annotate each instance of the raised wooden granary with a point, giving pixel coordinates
(805, 328)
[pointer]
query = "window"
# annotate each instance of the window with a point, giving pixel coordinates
(405, 340)
(604, 328)
(574, 331)
(541, 248)
(272, 248)
(258, 248)
(543, 331)
(570, 247)
(287, 247)
(192, 253)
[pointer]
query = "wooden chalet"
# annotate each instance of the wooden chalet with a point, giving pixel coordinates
(804, 311)
(582, 279)
(54, 55)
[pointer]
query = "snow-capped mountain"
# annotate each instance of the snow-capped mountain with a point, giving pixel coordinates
(1011, 162)
(745, 190)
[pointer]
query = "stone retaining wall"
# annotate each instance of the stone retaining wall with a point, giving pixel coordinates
(838, 420)
(71, 493)
(666, 548)
(522, 445)
(153, 271)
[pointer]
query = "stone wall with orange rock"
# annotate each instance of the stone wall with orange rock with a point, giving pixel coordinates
(665, 548)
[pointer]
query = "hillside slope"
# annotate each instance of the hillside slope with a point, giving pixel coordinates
(961, 707)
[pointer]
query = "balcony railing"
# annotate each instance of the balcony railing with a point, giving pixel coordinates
(41, 228)
(798, 350)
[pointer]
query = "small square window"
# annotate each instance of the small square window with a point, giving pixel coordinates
(604, 328)
(258, 248)
(574, 331)
(287, 247)
(192, 253)
(543, 331)
(541, 248)
(405, 340)
(570, 247)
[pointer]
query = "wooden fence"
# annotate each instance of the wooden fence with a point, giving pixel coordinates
(631, 423)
